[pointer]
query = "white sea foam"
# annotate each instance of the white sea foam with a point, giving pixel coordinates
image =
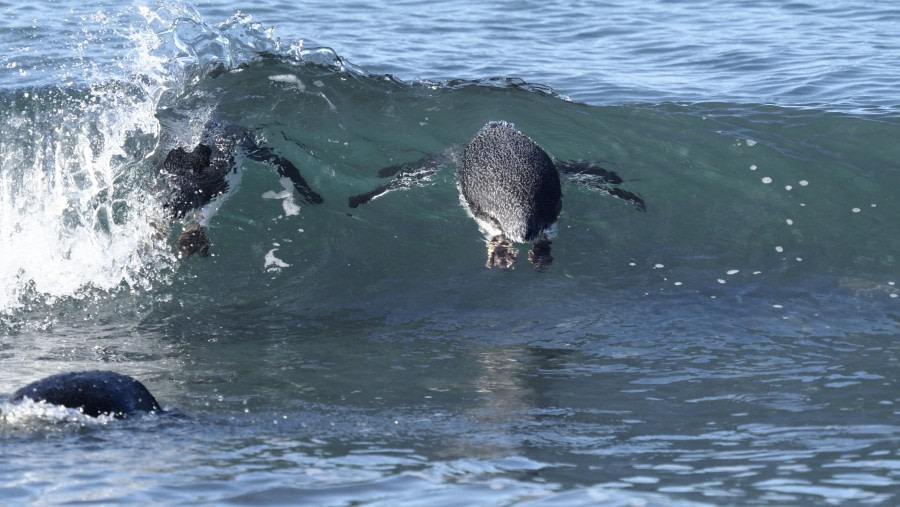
(33, 414)
(75, 210)
(274, 264)
(286, 196)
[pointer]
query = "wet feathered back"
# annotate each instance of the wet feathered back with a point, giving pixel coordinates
(198, 176)
(94, 392)
(508, 180)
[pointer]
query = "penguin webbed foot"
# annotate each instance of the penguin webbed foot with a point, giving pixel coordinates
(539, 255)
(501, 253)
(598, 178)
(193, 240)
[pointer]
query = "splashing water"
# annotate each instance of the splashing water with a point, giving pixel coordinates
(73, 211)
(79, 192)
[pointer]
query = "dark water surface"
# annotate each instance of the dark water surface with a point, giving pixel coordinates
(736, 344)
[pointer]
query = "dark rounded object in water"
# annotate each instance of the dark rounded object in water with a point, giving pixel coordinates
(509, 182)
(93, 392)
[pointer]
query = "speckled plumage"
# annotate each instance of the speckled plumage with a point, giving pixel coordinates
(508, 181)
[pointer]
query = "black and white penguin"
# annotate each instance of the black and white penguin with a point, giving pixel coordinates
(94, 393)
(510, 186)
(202, 179)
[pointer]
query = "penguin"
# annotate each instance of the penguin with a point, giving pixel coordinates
(200, 180)
(512, 189)
(510, 186)
(94, 393)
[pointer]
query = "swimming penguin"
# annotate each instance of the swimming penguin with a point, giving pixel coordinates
(510, 185)
(203, 178)
(512, 189)
(94, 393)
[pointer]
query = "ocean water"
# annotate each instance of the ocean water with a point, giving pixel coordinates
(735, 344)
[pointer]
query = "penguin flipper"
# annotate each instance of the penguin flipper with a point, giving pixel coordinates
(598, 178)
(365, 197)
(406, 175)
(286, 169)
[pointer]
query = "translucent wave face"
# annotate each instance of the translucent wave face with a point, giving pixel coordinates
(79, 189)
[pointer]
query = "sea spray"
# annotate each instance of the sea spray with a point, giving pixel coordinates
(75, 209)
(79, 191)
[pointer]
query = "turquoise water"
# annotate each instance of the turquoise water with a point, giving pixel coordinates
(736, 344)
